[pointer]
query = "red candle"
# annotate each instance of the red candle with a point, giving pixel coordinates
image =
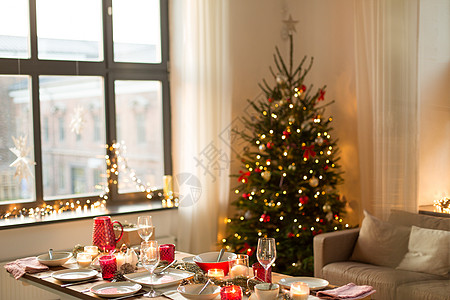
(231, 292)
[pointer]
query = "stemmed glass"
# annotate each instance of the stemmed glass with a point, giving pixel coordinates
(145, 227)
(150, 260)
(266, 253)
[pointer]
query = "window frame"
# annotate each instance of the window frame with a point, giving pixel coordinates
(109, 71)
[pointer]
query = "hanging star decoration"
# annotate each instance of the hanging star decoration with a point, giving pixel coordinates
(77, 122)
(290, 24)
(22, 162)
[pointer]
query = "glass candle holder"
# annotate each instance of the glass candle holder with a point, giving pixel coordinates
(239, 266)
(108, 266)
(92, 250)
(260, 273)
(84, 260)
(231, 292)
(299, 291)
(167, 252)
(216, 273)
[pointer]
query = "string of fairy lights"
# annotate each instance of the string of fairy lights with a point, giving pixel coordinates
(116, 164)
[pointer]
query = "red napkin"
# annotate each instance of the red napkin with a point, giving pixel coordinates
(25, 265)
(349, 291)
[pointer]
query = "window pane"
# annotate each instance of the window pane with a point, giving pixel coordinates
(141, 131)
(14, 29)
(136, 31)
(69, 30)
(73, 155)
(16, 140)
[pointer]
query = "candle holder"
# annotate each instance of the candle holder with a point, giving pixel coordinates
(108, 266)
(299, 291)
(260, 273)
(239, 266)
(216, 273)
(231, 292)
(84, 260)
(167, 252)
(92, 250)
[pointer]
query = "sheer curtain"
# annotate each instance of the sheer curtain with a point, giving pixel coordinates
(386, 34)
(201, 112)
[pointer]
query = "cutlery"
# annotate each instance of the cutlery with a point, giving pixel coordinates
(80, 282)
(50, 253)
(220, 254)
(204, 287)
(166, 267)
(128, 296)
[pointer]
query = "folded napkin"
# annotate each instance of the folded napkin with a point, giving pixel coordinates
(25, 265)
(349, 291)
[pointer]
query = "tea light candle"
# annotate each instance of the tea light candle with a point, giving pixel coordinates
(120, 259)
(84, 260)
(92, 250)
(231, 292)
(299, 291)
(216, 273)
(239, 270)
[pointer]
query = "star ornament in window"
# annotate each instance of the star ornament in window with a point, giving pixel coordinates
(290, 24)
(77, 122)
(22, 162)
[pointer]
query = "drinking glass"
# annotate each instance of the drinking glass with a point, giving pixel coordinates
(145, 227)
(150, 260)
(266, 253)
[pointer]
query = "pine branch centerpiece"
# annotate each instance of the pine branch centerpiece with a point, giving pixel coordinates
(288, 186)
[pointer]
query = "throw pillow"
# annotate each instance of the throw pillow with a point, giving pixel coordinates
(428, 251)
(380, 243)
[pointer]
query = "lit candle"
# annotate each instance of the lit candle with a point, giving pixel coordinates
(92, 250)
(231, 292)
(216, 273)
(299, 291)
(84, 260)
(239, 270)
(120, 259)
(167, 187)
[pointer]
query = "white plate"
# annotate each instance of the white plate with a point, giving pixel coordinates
(170, 277)
(70, 275)
(115, 289)
(313, 283)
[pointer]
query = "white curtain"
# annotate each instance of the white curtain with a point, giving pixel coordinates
(201, 112)
(386, 35)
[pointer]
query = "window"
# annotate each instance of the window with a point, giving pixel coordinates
(69, 80)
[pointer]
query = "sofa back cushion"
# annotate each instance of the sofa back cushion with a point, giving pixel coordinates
(380, 243)
(404, 218)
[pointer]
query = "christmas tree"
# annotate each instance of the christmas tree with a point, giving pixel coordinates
(288, 188)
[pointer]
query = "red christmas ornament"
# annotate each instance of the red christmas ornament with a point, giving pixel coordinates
(321, 95)
(270, 100)
(308, 151)
(247, 249)
(245, 195)
(317, 232)
(291, 235)
(269, 145)
(266, 218)
(258, 170)
(303, 88)
(287, 133)
(326, 167)
(244, 177)
(303, 200)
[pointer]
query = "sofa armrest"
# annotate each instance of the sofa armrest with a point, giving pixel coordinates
(333, 247)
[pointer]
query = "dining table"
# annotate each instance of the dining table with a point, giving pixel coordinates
(44, 280)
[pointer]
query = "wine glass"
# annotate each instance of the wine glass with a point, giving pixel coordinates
(150, 260)
(266, 253)
(145, 227)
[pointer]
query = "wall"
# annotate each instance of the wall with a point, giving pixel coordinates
(434, 129)
(325, 31)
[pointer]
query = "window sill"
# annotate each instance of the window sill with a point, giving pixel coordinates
(112, 210)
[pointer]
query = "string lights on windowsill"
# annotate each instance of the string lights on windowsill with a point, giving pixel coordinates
(115, 165)
(442, 205)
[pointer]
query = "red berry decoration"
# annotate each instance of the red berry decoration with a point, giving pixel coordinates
(303, 200)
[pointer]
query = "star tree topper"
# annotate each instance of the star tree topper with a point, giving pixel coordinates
(290, 24)
(22, 162)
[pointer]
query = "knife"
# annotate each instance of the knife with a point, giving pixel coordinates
(79, 282)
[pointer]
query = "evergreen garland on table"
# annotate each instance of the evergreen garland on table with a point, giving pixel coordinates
(288, 188)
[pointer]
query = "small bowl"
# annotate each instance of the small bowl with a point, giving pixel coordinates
(207, 261)
(59, 258)
(263, 292)
(190, 291)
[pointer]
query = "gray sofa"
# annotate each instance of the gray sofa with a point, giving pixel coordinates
(348, 256)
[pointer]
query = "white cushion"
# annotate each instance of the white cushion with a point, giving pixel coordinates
(428, 252)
